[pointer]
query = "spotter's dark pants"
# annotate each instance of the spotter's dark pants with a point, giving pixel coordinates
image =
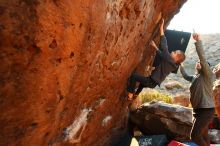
(199, 133)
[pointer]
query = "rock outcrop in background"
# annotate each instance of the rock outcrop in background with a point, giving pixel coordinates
(64, 67)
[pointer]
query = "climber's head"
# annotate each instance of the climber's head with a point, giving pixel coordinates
(178, 56)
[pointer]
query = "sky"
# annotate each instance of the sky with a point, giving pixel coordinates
(201, 15)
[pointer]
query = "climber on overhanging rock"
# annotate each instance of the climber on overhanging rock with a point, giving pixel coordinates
(169, 63)
(201, 96)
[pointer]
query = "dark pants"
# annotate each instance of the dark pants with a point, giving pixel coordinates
(144, 82)
(199, 133)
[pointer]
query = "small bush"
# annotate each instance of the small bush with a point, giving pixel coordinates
(151, 95)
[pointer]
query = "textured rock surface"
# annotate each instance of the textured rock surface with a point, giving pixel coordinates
(64, 66)
(161, 118)
(182, 99)
(173, 85)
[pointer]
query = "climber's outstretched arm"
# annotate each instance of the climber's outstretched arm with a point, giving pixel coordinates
(185, 75)
(162, 27)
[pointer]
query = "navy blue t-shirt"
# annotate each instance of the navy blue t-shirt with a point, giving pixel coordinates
(166, 65)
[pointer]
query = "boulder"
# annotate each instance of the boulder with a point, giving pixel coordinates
(172, 85)
(182, 99)
(216, 96)
(161, 118)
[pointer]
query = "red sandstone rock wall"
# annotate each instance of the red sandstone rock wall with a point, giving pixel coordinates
(65, 63)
